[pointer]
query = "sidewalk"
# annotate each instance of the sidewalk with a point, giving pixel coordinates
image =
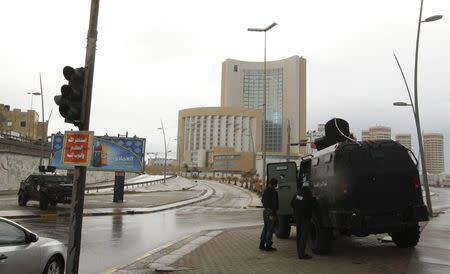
(236, 251)
(152, 198)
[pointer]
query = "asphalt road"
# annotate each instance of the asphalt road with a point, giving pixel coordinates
(109, 241)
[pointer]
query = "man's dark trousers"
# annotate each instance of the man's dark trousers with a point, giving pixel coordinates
(302, 236)
(267, 232)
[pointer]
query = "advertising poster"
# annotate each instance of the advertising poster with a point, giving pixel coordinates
(118, 154)
(108, 154)
(56, 150)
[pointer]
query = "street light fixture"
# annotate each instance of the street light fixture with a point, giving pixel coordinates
(401, 104)
(33, 93)
(265, 30)
(433, 18)
(165, 150)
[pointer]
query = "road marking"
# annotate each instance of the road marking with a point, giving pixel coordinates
(166, 260)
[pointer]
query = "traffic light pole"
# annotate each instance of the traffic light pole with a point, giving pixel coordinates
(76, 215)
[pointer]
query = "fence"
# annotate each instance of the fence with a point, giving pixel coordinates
(132, 185)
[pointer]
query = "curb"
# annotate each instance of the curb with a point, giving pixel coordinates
(163, 249)
(204, 195)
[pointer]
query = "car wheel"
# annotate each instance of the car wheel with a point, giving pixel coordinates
(43, 202)
(22, 199)
(54, 266)
(319, 237)
(407, 238)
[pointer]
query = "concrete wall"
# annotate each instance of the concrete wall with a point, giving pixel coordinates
(16, 167)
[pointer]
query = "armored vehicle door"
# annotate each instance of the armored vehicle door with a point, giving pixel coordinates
(286, 174)
(32, 188)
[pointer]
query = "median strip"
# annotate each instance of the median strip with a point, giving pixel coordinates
(15, 214)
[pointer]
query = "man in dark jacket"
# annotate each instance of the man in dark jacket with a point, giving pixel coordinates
(304, 204)
(270, 204)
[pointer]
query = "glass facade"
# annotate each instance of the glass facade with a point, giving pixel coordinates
(253, 97)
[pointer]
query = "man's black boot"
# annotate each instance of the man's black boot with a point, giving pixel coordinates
(261, 245)
(269, 248)
(305, 257)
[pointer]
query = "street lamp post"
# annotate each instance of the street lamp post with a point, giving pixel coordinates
(165, 150)
(44, 134)
(31, 108)
(415, 106)
(265, 30)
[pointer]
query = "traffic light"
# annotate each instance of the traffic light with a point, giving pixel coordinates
(70, 101)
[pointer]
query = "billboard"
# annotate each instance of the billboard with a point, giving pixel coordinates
(108, 153)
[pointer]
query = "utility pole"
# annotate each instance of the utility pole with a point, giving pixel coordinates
(79, 181)
(165, 154)
(44, 134)
(288, 148)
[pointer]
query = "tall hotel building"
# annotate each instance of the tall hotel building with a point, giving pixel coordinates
(376, 133)
(404, 139)
(433, 144)
(243, 86)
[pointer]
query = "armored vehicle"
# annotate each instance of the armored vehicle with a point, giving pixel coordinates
(45, 188)
(361, 188)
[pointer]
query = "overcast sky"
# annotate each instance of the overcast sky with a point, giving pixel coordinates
(157, 57)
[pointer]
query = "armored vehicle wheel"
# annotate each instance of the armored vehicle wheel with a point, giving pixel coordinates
(283, 228)
(53, 203)
(320, 237)
(406, 238)
(43, 202)
(22, 199)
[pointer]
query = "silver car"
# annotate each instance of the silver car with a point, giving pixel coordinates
(22, 251)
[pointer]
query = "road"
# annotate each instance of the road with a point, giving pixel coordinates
(108, 241)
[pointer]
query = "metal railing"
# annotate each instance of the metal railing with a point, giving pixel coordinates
(132, 185)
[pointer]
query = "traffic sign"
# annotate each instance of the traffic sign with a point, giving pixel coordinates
(77, 148)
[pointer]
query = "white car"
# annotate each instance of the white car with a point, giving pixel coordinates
(22, 251)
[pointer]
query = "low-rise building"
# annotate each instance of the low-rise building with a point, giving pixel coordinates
(24, 124)
(200, 130)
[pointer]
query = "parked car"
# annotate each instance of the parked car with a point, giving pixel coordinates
(22, 251)
(45, 188)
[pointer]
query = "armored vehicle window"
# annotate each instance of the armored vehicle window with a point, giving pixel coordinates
(56, 179)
